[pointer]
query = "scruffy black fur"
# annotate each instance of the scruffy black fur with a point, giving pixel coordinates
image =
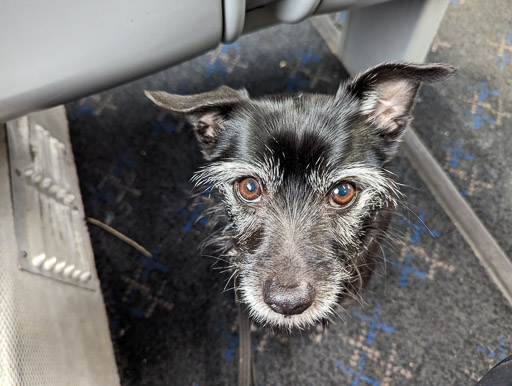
(302, 185)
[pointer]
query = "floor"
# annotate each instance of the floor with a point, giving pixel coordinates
(431, 315)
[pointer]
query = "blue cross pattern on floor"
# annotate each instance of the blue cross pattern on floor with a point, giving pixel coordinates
(419, 227)
(498, 354)
(195, 215)
(159, 125)
(308, 56)
(234, 340)
(305, 58)
(124, 162)
(483, 92)
(407, 269)
(149, 264)
(358, 373)
(101, 194)
(457, 154)
(79, 109)
(292, 82)
(233, 344)
(93, 105)
(218, 65)
(374, 324)
(504, 59)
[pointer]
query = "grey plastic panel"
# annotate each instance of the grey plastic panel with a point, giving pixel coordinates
(58, 50)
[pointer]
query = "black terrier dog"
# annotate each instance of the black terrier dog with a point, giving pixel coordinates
(302, 185)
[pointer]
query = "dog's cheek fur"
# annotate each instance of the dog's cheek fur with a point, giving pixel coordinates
(348, 228)
(360, 254)
(244, 219)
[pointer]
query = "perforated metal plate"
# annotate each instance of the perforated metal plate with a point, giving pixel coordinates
(50, 230)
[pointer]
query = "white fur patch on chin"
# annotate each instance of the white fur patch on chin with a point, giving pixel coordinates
(260, 312)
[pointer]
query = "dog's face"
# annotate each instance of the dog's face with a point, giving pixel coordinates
(303, 186)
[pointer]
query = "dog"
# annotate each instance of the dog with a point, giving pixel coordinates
(302, 185)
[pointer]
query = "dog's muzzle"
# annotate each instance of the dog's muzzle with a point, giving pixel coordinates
(289, 299)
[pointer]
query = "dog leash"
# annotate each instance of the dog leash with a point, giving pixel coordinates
(246, 374)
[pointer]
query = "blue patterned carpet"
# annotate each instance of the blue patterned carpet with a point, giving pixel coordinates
(431, 314)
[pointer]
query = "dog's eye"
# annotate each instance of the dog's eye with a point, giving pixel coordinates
(342, 194)
(248, 189)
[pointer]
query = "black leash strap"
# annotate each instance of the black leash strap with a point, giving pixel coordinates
(245, 363)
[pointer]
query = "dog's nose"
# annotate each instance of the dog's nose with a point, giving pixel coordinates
(288, 299)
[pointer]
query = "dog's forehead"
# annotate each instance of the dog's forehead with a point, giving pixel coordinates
(302, 136)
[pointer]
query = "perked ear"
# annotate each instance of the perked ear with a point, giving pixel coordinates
(207, 112)
(386, 93)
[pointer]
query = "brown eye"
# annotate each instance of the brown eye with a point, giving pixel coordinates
(248, 189)
(342, 194)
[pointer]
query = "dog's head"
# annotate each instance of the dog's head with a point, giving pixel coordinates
(302, 184)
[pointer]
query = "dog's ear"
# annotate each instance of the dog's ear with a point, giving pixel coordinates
(207, 112)
(386, 94)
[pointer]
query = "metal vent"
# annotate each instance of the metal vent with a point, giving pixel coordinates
(50, 229)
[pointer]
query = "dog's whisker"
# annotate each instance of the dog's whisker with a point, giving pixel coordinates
(226, 289)
(218, 258)
(356, 296)
(233, 276)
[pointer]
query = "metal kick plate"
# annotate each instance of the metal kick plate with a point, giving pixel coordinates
(50, 229)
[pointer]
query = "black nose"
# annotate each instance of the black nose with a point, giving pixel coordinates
(288, 299)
